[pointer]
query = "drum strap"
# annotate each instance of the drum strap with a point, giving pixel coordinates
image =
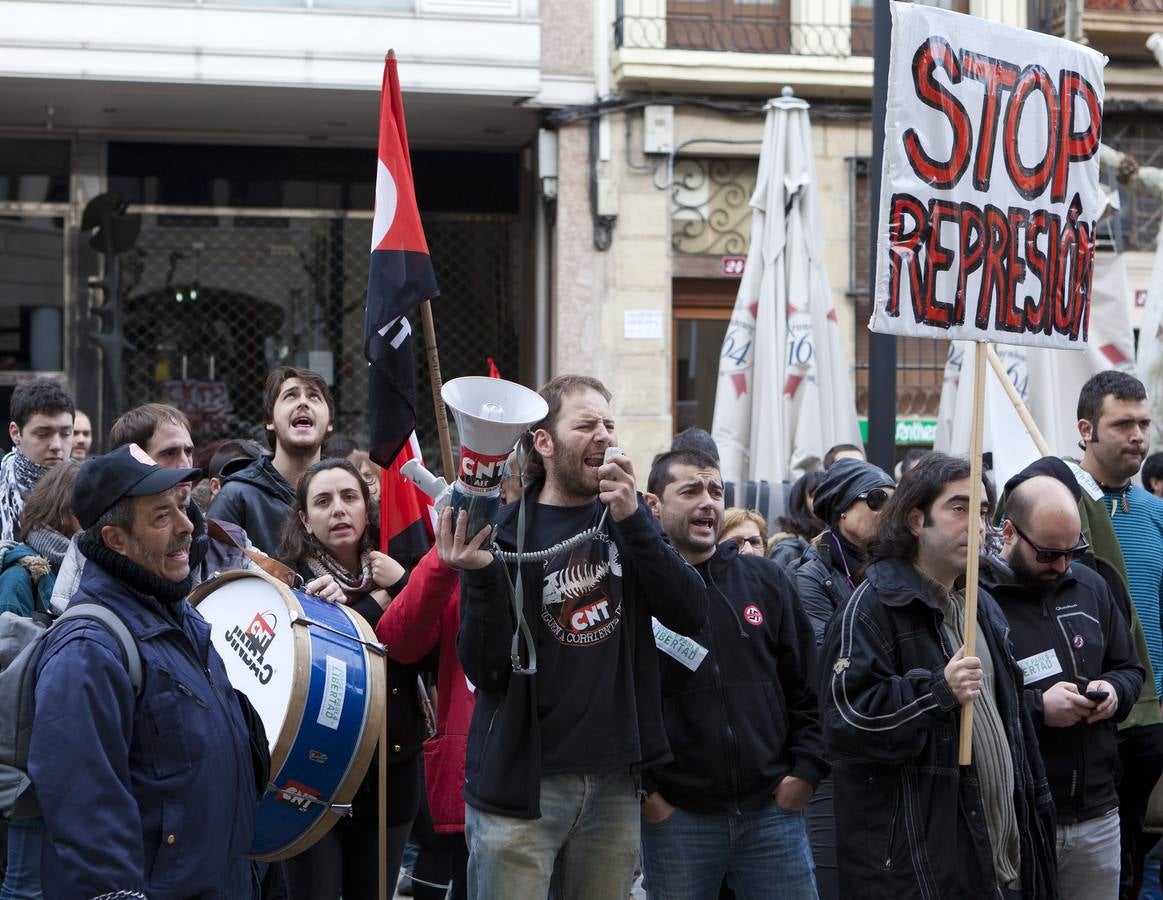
(272, 567)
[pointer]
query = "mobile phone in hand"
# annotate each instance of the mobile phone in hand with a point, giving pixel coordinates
(1097, 696)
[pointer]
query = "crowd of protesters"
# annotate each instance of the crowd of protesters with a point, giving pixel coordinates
(664, 686)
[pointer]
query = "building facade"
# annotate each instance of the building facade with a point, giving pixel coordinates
(242, 133)
(583, 171)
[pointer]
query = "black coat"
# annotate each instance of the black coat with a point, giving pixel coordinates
(258, 499)
(910, 821)
(823, 587)
(1077, 624)
(747, 715)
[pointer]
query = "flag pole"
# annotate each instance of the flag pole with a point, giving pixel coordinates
(974, 550)
(437, 383)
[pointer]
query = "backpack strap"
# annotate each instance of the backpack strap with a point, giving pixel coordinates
(114, 624)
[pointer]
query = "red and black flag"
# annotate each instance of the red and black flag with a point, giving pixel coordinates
(401, 277)
(407, 525)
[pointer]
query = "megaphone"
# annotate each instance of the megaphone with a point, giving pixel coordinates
(491, 415)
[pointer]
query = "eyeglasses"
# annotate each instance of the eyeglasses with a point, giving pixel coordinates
(876, 498)
(755, 542)
(1047, 555)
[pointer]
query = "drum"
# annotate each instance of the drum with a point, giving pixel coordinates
(315, 674)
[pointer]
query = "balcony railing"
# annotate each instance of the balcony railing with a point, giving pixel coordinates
(766, 35)
(1115, 27)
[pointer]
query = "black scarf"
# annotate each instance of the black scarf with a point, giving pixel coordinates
(166, 592)
(847, 557)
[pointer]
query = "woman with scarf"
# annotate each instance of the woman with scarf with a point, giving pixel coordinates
(848, 500)
(333, 531)
(28, 570)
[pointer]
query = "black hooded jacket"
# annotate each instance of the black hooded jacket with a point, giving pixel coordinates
(747, 715)
(1073, 631)
(910, 821)
(259, 500)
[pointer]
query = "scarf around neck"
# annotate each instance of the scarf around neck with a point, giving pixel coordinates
(166, 592)
(320, 562)
(50, 544)
(18, 476)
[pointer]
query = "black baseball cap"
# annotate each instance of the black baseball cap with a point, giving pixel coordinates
(127, 471)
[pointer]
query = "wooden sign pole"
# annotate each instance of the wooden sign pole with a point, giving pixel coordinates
(974, 551)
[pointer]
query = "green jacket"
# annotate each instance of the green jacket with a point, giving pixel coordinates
(1108, 555)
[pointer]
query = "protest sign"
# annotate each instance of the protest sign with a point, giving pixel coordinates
(989, 184)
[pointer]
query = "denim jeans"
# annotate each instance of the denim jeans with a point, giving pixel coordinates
(762, 854)
(1089, 858)
(22, 878)
(588, 825)
(1151, 889)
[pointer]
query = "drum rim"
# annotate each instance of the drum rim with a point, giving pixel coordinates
(361, 760)
(375, 665)
(301, 675)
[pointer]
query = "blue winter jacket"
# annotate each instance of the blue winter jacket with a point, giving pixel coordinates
(149, 796)
(25, 590)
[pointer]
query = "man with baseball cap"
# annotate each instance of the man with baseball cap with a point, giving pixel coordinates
(145, 794)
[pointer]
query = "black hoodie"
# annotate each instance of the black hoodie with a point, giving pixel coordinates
(1071, 631)
(258, 499)
(747, 715)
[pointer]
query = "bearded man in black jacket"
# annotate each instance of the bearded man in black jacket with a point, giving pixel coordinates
(740, 710)
(1081, 674)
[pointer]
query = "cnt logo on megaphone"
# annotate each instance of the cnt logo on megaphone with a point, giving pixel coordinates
(481, 473)
(491, 415)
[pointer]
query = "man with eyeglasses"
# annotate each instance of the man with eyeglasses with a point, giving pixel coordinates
(1080, 671)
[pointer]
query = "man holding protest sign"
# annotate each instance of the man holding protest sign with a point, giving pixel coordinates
(910, 821)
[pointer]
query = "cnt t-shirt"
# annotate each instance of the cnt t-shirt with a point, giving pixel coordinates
(585, 678)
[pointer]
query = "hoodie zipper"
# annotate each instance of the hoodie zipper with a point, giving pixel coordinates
(717, 675)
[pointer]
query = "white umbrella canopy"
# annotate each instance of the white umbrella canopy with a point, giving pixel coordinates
(784, 394)
(1150, 357)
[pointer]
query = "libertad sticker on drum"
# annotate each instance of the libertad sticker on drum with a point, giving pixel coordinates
(334, 690)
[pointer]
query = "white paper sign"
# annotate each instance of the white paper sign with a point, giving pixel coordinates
(990, 185)
(642, 325)
(1040, 665)
(678, 647)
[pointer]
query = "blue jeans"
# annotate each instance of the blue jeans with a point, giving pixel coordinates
(588, 825)
(22, 879)
(1151, 887)
(762, 854)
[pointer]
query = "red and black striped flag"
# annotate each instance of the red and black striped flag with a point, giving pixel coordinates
(401, 277)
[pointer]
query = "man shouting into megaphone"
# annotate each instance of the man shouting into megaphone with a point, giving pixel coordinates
(568, 710)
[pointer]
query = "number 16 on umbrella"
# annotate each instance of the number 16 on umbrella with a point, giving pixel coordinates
(989, 200)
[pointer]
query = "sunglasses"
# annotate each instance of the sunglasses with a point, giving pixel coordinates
(1047, 555)
(875, 498)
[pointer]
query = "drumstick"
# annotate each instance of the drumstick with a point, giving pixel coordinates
(384, 796)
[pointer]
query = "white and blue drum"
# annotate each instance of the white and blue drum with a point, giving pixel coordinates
(315, 674)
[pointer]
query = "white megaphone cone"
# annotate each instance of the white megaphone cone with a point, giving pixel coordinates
(491, 415)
